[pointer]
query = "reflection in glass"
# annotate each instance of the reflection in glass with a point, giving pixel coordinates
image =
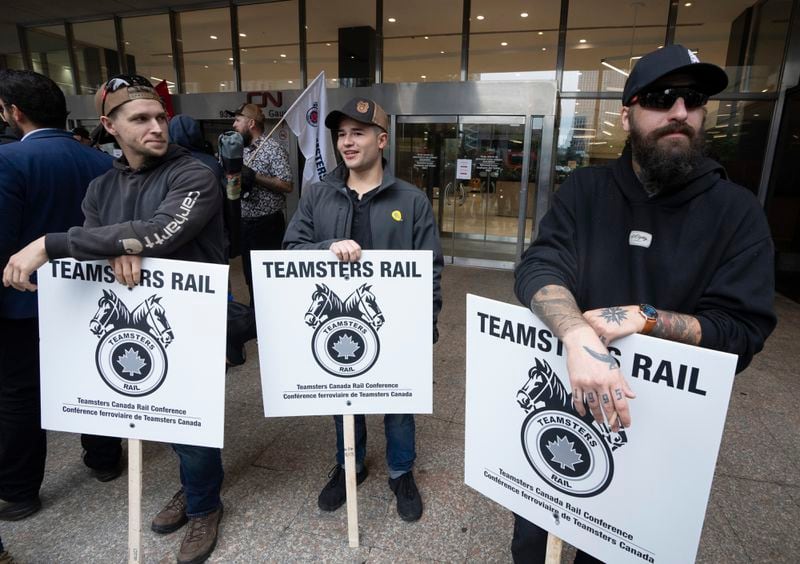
(604, 45)
(744, 37)
(148, 48)
(269, 46)
(510, 44)
(207, 55)
(48, 47)
(325, 18)
(423, 43)
(96, 53)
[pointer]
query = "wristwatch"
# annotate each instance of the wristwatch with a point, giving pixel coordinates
(650, 315)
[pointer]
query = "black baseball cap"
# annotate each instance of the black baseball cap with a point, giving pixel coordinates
(673, 59)
(359, 109)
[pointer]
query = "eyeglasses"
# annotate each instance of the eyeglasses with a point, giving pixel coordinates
(666, 98)
(121, 81)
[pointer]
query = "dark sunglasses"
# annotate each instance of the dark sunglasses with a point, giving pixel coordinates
(666, 98)
(122, 81)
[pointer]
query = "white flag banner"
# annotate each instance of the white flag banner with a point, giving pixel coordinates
(344, 337)
(306, 119)
(146, 363)
(637, 495)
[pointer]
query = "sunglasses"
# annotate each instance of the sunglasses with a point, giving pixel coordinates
(122, 81)
(666, 98)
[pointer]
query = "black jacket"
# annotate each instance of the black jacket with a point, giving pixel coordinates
(171, 208)
(710, 253)
(325, 213)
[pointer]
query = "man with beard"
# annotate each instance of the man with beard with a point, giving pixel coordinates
(660, 243)
(129, 214)
(44, 174)
(266, 179)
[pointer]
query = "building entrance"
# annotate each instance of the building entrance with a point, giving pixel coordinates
(473, 169)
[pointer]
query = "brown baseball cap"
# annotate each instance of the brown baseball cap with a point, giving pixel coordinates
(120, 90)
(359, 109)
(250, 111)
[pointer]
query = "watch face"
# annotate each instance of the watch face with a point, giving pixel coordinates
(649, 311)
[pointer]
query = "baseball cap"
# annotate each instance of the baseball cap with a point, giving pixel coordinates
(121, 89)
(250, 111)
(359, 109)
(673, 59)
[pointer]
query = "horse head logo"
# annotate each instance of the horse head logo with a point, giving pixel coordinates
(542, 388)
(150, 315)
(111, 313)
(364, 303)
(324, 304)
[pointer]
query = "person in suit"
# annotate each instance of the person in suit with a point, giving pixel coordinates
(43, 179)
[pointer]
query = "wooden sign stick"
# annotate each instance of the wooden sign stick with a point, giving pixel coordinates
(350, 479)
(554, 546)
(135, 555)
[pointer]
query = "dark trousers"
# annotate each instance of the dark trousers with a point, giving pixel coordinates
(23, 443)
(529, 544)
(260, 234)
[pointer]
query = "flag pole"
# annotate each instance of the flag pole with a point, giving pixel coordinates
(283, 118)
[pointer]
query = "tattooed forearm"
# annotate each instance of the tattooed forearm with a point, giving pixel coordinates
(678, 327)
(612, 362)
(556, 306)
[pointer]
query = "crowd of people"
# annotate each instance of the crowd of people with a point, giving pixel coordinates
(699, 270)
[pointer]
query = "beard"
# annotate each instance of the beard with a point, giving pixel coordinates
(247, 138)
(14, 128)
(666, 163)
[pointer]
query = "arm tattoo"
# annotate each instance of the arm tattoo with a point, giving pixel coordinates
(679, 327)
(614, 315)
(612, 362)
(556, 306)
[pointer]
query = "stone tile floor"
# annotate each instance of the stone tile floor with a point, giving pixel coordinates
(276, 467)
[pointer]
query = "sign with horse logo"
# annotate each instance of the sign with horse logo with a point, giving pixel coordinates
(146, 363)
(635, 495)
(337, 337)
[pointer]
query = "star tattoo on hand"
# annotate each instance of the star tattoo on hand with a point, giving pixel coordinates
(614, 315)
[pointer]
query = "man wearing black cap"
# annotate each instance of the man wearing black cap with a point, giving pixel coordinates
(360, 205)
(130, 213)
(660, 243)
(266, 179)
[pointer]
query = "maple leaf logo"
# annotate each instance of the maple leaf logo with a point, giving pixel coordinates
(346, 347)
(563, 452)
(131, 362)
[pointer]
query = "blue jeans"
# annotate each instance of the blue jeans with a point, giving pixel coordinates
(400, 442)
(201, 478)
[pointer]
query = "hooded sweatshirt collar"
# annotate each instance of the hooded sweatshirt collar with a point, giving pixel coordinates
(173, 152)
(338, 178)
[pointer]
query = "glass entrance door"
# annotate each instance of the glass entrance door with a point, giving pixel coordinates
(472, 169)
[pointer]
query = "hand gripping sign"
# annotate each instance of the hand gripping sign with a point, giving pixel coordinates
(637, 495)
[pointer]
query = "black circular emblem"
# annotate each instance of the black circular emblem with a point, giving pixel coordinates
(566, 452)
(345, 346)
(131, 362)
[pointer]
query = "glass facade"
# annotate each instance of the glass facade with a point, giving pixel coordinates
(50, 56)
(269, 46)
(95, 46)
(206, 51)
(148, 48)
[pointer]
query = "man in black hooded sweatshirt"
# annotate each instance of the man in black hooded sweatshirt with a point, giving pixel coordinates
(660, 242)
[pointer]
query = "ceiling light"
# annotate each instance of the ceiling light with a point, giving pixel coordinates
(242, 35)
(524, 15)
(334, 79)
(391, 20)
(283, 55)
(765, 90)
(612, 67)
(213, 36)
(504, 43)
(755, 115)
(127, 43)
(205, 66)
(230, 58)
(423, 76)
(480, 18)
(155, 78)
(541, 33)
(688, 4)
(613, 113)
(604, 132)
(426, 37)
(442, 52)
(581, 41)
(544, 48)
(327, 45)
(291, 82)
(608, 123)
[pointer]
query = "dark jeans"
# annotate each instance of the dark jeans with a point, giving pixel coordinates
(529, 544)
(201, 478)
(23, 443)
(260, 234)
(400, 442)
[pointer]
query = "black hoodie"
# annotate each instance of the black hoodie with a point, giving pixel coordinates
(170, 208)
(703, 249)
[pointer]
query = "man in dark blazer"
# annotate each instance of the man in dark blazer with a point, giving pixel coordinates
(43, 179)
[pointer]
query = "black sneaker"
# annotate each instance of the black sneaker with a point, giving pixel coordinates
(409, 503)
(334, 494)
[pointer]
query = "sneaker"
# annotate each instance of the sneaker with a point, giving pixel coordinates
(409, 503)
(200, 539)
(334, 494)
(16, 510)
(6, 558)
(172, 517)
